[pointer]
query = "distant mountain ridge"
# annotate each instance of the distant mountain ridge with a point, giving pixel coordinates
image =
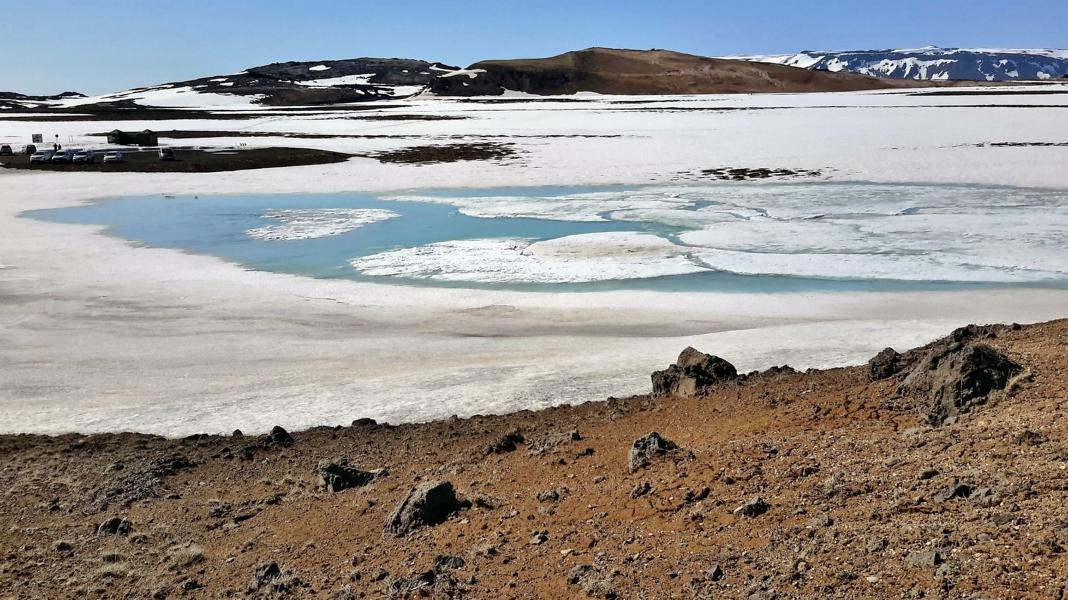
(933, 63)
(621, 71)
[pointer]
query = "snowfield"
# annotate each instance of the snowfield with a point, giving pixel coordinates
(100, 335)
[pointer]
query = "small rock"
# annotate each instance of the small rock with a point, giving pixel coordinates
(716, 574)
(115, 526)
(646, 448)
(428, 504)
(884, 364)
(445, 562)
(549, 496)
(506, 443)
(754, 508)
(924, 558)
(279, 437)
(692, 373)
(266, 573)
(641, 489)
(337, 475)
(957, 490)
(403, 586)
(928, 474)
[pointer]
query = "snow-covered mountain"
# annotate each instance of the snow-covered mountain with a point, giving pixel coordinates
(973, 64)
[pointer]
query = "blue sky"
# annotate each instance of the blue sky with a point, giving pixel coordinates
(107, 45)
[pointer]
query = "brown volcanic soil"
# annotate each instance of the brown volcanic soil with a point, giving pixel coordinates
(853, 479)
(612, 71)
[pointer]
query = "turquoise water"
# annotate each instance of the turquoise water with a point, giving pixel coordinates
(217, 226)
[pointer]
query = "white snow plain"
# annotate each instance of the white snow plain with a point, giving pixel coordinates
(100, 335)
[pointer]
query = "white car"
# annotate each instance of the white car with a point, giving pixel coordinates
(84, 156)
(63, 156)
(41, 156)
(113, 157)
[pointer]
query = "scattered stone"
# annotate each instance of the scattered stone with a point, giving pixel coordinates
(754, 508)
(924, 558)
(337, 475)
(506, 443)
(641, 489)
(928, 474)
(237, 433)
(646, 448)
(63, 546)
(405, 586)
(429, 503)
(692, 496)
(884, 364)
(549, 496)
(266, 573)
(115, 526)
(715, 574)
(278, 437)
(691, 374)
(957, 490)
(539, 537)
(820, 522)
(364, 422)
(445, 562)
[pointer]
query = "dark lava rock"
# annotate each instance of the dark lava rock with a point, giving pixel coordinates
(646, 448)
(115, 526)
(691, 374)
(957, 490)
(278, 437)
(364, 422)
(405, 586)
(952, 379)
(429, 503)
(716, 574)
(266, 573)
(237, 433)
(549, 496)
(444, 563)
(641, 489)
(337, 475)
(884, 364)
(62, 546)
(506, 443)
(754, 508)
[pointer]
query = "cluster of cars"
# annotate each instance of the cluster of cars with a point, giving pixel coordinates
(75, 156)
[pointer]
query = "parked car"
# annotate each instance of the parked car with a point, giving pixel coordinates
(41, 156)
(113, 157)
(63, 156)
(5, 150)
(84, 156)
(29, 149)
(166, 153)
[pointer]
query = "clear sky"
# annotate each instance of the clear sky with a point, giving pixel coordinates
(97, 46)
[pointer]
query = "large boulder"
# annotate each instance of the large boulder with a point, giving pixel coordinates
(951, 379)
(647, 447)
(692, 373)
(884, 364)
(429, 503)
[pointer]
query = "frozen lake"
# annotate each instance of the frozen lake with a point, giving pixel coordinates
(747, 237)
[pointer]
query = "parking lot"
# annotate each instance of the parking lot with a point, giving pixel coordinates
(188, 160)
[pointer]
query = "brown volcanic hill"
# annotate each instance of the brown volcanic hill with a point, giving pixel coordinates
(612, 71)
(861, 498)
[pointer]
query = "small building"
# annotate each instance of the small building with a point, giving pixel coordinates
(133, 138)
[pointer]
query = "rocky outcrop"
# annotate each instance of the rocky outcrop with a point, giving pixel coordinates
(336, 475)
(691, 374)
(954, 381)
(646, 448)
(949, 376)
(429, 503)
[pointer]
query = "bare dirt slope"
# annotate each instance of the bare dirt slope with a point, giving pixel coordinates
(616, 71)
(859, 498)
